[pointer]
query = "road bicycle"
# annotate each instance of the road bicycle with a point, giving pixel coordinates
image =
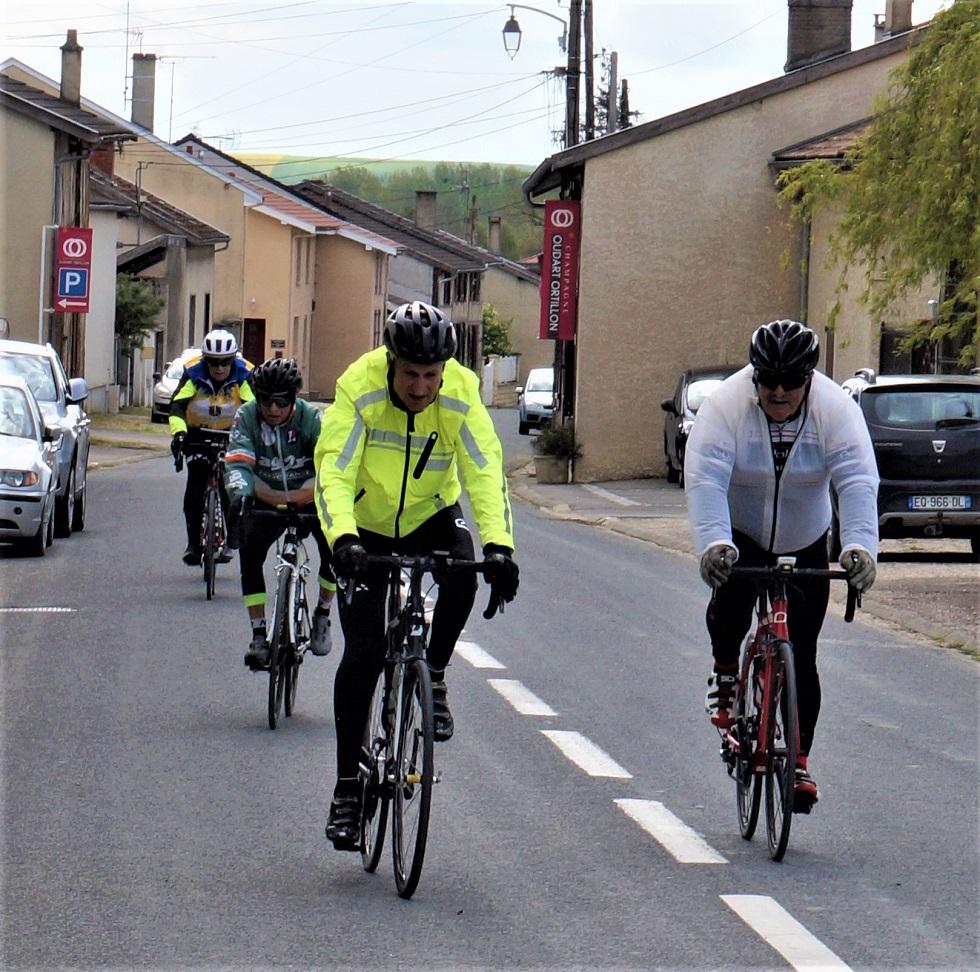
(211, 444)
(762, 743)
(396, 766)
(291, 626)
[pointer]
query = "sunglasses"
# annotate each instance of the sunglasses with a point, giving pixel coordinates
(279, 400)
(218, 362)
(774, 379)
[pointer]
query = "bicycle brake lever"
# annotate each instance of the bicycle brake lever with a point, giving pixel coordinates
(494, 605)
(853, 600)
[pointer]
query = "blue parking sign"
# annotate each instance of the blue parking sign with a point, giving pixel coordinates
(73, 282)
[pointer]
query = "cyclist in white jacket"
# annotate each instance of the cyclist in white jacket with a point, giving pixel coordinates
(764, 451)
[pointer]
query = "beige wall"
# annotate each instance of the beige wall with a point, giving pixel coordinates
(681, 255)
(203, 195)
(517, 298)
(26, 199)
(346, 300)
(268, 281)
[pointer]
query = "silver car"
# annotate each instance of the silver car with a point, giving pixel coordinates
(61, 401)
(28, 470)
(165, 384)
(536, 401)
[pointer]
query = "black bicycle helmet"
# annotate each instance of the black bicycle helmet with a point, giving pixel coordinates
(784, 348)
(420, 333)
(276, 378)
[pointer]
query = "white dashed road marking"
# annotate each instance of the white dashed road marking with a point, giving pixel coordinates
(783, 932)
(521, 697)
(37, 610)
(612, 497)
(679, 840)
(586, 754)
(476, 656)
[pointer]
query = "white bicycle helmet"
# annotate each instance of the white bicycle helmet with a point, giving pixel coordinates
(219, 345)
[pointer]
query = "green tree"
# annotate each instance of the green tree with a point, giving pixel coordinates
(496, 332)
(137, 307)
(909, 189)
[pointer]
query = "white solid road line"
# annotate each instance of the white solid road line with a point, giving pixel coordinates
(680, 841)
(521, 697)
(612, 497)
(476, 656)
(586, 754)
(783, 932)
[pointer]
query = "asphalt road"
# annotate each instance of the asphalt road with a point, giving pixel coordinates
(151, 820)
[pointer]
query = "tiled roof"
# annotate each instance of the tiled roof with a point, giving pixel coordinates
(60, 114)
(166, 216)
(831, 145)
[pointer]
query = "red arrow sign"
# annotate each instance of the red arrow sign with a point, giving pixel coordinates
(67, 304)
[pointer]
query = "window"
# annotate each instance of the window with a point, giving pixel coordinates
(447, 291)
(460, 296)
(376, 330)
(379, 274)
(309, 260)
(207, 312)
(298, 260)
(191, 318)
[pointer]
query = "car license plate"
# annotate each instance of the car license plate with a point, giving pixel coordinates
(940, 502)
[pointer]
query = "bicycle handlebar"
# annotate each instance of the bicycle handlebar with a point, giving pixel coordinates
(427, 563)
(211, 440)
(287, 513)
(784, 571)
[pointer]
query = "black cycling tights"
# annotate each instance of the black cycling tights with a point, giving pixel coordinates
(730, 616)
(363, 622)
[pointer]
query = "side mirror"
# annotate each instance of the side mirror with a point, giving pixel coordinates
(519, 389)
(668, 406)
(157, 375)
(53, 437)
(77, 391)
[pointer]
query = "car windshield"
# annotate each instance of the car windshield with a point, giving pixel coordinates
(539, 383)
(699, 390)
(926, 408)
(15, 414)
(36, 370)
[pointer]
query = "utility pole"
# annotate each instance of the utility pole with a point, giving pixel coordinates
(589, 72)
(574, 71)
(612, 99)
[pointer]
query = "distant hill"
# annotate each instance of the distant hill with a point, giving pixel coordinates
(488, 189)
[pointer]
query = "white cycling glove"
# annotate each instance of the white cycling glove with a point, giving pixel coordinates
(860, 568)
(716, 564)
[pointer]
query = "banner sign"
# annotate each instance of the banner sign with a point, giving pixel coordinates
(73, 264)
(559, 271)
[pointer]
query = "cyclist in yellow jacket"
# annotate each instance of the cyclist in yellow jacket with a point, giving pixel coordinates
(406, 424)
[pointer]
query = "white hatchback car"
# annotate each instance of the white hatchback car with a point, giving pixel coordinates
(28, 469)
(536, 401)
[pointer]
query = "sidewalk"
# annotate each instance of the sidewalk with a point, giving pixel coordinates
(924, 588)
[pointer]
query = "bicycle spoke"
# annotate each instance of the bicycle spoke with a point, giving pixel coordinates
(748, 784)
(783, 744)
(375, 793)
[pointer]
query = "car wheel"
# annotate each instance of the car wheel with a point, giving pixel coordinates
(975, 547)
(523, 428)
(78, 517)
(50, 536)
(64, 507)
(680, 468)
(37, 545)
(671, 471)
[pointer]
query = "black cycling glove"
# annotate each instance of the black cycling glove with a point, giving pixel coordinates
(349, 557)
(502, 572)
(176, 443)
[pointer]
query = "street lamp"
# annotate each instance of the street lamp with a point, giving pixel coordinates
(512, 30)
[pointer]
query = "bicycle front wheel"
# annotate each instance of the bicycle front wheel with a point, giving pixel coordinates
(279, 650)
(783, 745)
(414, 773)
(211, 514)
(297, 613)
(375, 792)
(748, 783)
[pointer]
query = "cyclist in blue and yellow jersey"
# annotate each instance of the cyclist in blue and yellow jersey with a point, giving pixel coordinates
(406, 425)
(765, 449)
(208, 395)
(269, 463)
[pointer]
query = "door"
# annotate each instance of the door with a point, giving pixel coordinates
(253, 339)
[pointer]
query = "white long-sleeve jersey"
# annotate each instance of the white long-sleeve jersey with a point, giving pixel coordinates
(730, 477)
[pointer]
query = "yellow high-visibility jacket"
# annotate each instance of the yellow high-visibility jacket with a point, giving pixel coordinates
(368, 457)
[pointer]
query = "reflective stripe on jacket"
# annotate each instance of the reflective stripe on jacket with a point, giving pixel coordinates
(730, 478)
(368, 463)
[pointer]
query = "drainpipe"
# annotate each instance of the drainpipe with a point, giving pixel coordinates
(46, 233)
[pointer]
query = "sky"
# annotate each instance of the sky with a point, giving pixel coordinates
(400, 80)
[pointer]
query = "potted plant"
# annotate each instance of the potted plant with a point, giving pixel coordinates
(555, 447)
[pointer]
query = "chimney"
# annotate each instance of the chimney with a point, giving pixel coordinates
(144, 89)
(71, 69)
(898, 17)
(493, 235)
(425, 209)
(818, 29)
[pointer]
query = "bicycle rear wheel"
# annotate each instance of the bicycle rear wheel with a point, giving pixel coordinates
(279, 650)
(783, 745)
(211, 514)
(375, 794)
(748, 784)
(414, 773)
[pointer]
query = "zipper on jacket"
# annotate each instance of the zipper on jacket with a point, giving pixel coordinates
(282, 461)
(426, 452)
(804, 410)
(410, 428)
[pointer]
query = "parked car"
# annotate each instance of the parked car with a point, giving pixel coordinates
(926, 435)
(60, 399)
(166, 384)
(28, 469)
(536, 400)
(693, 387)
